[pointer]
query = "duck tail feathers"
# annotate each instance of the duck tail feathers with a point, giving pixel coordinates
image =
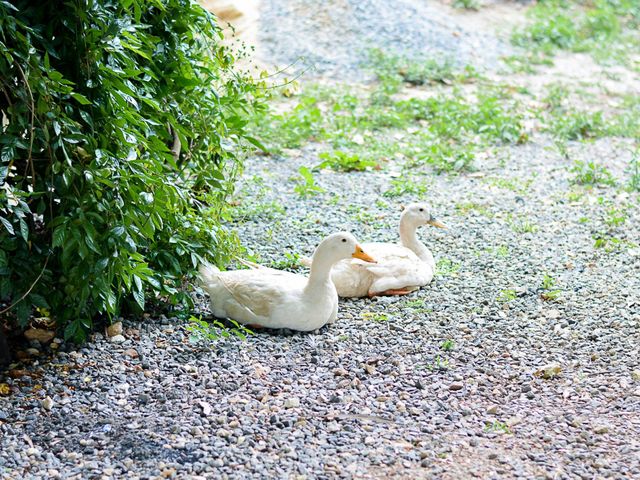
(207, 272)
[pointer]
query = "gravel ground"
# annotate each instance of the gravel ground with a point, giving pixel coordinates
(333, 38)
(524, 388)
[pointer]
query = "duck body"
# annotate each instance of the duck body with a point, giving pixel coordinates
(270, 298)
(397, 269)
(400, 268)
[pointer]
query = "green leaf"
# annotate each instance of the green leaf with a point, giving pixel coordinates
(139, 298)
(7, 225)
(59, 235)
(81, 98)
(24, 229)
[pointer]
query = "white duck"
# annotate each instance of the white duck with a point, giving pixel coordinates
(400, 269)
(265, 297)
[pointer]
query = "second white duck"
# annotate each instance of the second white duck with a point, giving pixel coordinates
(400, 269)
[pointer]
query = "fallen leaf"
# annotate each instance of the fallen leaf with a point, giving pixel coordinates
(4, 389)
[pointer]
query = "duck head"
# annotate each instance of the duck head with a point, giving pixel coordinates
(418, 214)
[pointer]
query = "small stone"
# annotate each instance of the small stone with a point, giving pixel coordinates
(132, 352)
(636, 375)
(114, 329)
(117, 339)
(39, 334)
(292, 402)
(340, 372)
(168, 472)
(601, 429)
(47, 403)
(455, 386)
(34, 352)
(493, 409)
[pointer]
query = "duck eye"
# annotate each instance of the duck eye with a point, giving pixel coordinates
(344, 240)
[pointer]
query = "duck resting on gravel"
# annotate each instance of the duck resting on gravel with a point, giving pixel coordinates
(399, 269)
(266, 297)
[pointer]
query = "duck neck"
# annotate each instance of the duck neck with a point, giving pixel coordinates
(320, 274)
(409, 239)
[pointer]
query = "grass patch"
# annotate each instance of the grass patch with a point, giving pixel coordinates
(577, 125)
(446, 267)
(522, 225)
(252, 203)
(465, 208)
(399, 187)
(394, 70)
(418, 306)
(605, 28)
(367, 128)
(497, 427)
(507, 295)
(512, 184)
(591, 173)
(375, 316)
(344, 162)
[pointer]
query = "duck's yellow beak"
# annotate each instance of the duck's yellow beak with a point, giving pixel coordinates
(434, 222)
(360, 253)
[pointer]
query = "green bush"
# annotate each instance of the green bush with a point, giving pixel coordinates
(120, 127)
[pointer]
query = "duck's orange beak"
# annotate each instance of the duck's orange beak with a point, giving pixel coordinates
(360, 253)
(434, 222)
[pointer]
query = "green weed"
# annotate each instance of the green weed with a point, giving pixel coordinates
(439, 364)
(306, 184)
(605, 28)
(615, 217)
(201, 330)
(405, 186)
(466, 4)
(497, 427)
(290, 262)
(549, 292)
(577, 125)
(591, 173)
(523, 226)
(507, 295)
(344, 162)
(375, 316)
(446, 267)
(448, 345)
(464, 208)
(418, 306)
(634, 172)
